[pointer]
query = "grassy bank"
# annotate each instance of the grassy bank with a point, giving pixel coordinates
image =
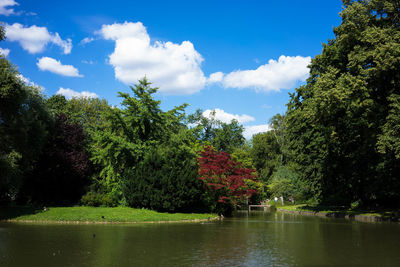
(95, 215)
(339, 212)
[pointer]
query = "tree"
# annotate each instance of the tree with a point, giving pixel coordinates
(286, 183)
(62, 171)
(2, 33)
(225, 179)
(86, 111)
(24, 122)
(334, 122)
(166, 178)
(222, 136)
(266, 154)
(243, 155)
(389, 139)
(130, 133)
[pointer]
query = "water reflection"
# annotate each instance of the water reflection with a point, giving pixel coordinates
(255, 239)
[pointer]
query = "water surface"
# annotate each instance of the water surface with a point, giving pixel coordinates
(257, 239)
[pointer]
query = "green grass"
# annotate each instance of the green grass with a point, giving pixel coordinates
(95, 214)
(384, 214)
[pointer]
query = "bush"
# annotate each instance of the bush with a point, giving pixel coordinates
(97, 199)
(165, 180)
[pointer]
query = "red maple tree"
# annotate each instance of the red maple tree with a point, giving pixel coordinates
(224, 177)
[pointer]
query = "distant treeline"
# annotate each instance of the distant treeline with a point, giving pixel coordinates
(337, 144)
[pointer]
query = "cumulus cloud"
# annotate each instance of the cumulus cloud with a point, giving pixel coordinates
(216, 77)
(55, 66)
(69, 93)
(226, 117)
(249, 131)
(4, 7)
(4, 51)
(273, 76)
(34, 39)
(175, 68)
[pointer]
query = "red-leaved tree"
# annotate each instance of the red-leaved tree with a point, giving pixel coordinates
(224, 178)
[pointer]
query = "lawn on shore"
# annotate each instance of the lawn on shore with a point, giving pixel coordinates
(95, 214)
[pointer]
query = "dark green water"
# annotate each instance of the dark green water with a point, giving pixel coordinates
(261, 239)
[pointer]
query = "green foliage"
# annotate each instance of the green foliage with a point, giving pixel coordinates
(389, 139)
(222, 136)
(57, 104)
(24, 121)
(243, 155)
(266, 154)
(228, 136)
(166, 178)
(85, 111)
(2, 33)
(95, 199)
(336, 122)
(130, 133)
(285, 182)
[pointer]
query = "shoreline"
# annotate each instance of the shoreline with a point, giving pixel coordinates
(362, 217)
(107, 222)
(97, 215)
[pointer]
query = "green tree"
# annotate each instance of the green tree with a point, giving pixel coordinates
(334, 122)
(266, 154)
(389, 140)
(222, 136)
(86, 111)
(166, 178)
(24, 121)
(243, 155)
(286, 183)
(2, 33)
(130, 132)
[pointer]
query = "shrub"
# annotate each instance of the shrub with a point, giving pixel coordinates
(226, 180)
(165, 180)
(97, 199)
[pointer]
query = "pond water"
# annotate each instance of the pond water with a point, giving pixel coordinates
(257, 239)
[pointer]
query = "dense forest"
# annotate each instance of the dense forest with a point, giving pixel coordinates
(337, 144)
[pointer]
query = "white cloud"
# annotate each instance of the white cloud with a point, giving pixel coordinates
(216, 77)
(34, 39)
(273, 76)
(4, 4)
(28, 82)
(175, 68)
(249, 131)
(4, 51)
(86, 40)
(226, 117)
(55, 66)
(69, 93)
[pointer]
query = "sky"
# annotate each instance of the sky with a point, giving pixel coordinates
(239, 58)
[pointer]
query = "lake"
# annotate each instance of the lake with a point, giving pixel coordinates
(255, 239)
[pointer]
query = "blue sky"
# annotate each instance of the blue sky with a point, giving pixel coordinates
(239, 57)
